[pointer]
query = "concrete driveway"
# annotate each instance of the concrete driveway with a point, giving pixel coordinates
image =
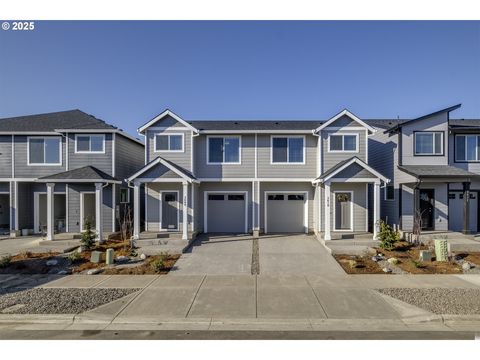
(297, 254)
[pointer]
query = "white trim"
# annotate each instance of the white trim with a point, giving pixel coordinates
(166, 128)
(343, 143)
(17, 179)
(13, 156)
(161, 207)
(346, 128)
(223, 152)
(303, 137)
(160, 180)
(256, 155)
(351, 210)
(366, 147)
(168, 136)
(44, 164)
(253, 205)
(362, 164)
(165, 163)
(67, 222)
(26, 133)
(36, 203)
(285, 192)
(193, 207)
(355, 180)
(366, 207)
(66, 151)
(82, 210)
(205, 206)
(258, 205)
(114, 139)
(191, 152)
(350, 115)
(77, 181)
(114, 206)
(433, 132)
(90, 144)
(162, 115)
(15, 184)
(477, 145)
(146, 207)
(147, 147)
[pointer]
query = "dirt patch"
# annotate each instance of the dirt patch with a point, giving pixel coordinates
(32, 263)
(365, 265)
(145, 268)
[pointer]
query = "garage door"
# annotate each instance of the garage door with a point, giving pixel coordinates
(285, 213)
(226, 213)
(455, 211)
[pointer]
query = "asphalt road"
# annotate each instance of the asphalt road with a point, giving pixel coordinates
(232, 335)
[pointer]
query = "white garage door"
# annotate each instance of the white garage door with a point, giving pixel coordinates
(226, 213)
(286, 213)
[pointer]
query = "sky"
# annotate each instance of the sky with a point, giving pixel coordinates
(128, 72)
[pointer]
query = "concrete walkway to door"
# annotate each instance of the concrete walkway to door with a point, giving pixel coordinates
(297, 254)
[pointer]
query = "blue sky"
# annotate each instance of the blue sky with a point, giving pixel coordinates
(127, 72)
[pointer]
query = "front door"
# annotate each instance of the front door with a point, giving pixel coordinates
(169, 210)
(427, 208)
(343, 211)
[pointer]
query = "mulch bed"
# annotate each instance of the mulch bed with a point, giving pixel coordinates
(145, 268)
(365, 264)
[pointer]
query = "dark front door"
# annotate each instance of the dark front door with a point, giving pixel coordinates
(169, 205)
(427, 208)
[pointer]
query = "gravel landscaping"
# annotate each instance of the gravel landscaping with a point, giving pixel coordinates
(439, 300)
(57, 301)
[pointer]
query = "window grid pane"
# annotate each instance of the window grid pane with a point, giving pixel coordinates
(162, 142)
(37, 154)
(279, 150)
(438, 143)
(460, 148)
(232, 150)
(83, 143)
(52, 151)
(175, 142)
(424, 143)
(295, 150)
(96, 143)
(336, 142)
(471, 148)
(215, 150)
(349, 143)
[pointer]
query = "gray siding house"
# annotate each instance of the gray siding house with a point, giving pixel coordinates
(59, 169)
(433, 163)
(260, 177)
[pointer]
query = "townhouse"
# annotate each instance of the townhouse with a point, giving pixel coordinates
(59, 169)
(434, 164)
(259, 177)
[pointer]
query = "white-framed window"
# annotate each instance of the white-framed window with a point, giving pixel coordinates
(124, 195)
(345, 143)
(389, 192)
(467, 148)
(429, 143)
(224, 149)
(89, 143)
(287, 150)
(169, 142)
(44, 150)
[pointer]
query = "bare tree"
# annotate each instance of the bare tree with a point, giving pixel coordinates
(126, 224)
(417, 226)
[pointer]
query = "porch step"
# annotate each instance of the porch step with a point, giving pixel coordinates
(430, 235)
(165, 241)
(162, 235)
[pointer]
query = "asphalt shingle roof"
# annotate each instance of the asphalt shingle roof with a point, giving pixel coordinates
(256, 124)
(436, 171)
(83, 173)
(71, 119)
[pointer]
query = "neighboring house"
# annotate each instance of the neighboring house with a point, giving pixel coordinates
(59, 169)
(257, 177)
(434, 164)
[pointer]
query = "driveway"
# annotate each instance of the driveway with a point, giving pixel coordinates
(297, 254)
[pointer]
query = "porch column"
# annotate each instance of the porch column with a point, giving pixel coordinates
(466, 207)
(376, 209)
(50, 211)
(136, 210)
(98, 211)
(185, 211)
(326, 234)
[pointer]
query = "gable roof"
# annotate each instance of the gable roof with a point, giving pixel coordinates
(345, 112)
(342, 165)
(399, 125)
(180, 171)
(160, 116)
(83, 174)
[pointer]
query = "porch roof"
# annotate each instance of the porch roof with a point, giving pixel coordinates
(437, 171)
(342, 165)
(180, 171)
(83, 174)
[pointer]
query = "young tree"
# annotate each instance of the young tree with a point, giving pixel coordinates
(88, 235)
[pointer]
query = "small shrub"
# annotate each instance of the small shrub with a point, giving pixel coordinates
(88, 236)
(5, 261)
(74, 256)
(164, 255)
(387, 236)
(158, 265)
(418, 264)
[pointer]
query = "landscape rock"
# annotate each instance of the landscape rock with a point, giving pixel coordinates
(94, 271)
(109, 257)
(122, 258)
(96, 257)
(425, 255)
(52, 262)
(393, 261)
(143, 256)
(387, 270)
(466, 265)
(62, 272)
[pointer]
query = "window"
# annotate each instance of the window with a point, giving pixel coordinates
(223, 150)
(44, 151)
(343, 143)
(296, 197)
(428, 143)
(236, 197)
(216, 197)
(467, 148)
(275, 197)
(169, 142)
(90, 143)
(389, 192)
(124, 195)
(288, 150)
(451, 196)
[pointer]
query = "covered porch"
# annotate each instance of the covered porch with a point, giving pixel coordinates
(343, 200)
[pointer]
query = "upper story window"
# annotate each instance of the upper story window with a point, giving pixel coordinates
(467, 148)
(428, 143)
(44, 151)
(288, 149)
(89, 143)
(169, 142)
(343, 143)
(223, 150)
